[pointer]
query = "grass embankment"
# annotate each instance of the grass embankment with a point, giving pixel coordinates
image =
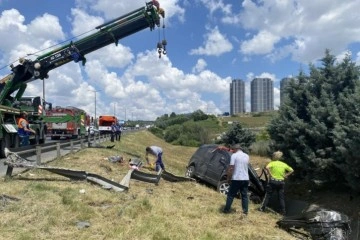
(51, 205)
(250, 121)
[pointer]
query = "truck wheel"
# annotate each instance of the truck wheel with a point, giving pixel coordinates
(5, 143)
(16, 141)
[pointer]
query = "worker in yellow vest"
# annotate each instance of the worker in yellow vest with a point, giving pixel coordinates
(278, 171)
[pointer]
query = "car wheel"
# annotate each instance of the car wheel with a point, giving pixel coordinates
(190, 171)
(223, 187)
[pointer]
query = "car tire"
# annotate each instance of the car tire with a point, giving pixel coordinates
(190, 171)
(223, 187)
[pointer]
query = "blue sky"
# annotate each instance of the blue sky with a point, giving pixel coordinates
(210, 42)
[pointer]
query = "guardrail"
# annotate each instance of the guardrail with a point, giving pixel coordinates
(40, 149)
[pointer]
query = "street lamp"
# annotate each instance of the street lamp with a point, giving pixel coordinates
(114, 109)
(95, 91)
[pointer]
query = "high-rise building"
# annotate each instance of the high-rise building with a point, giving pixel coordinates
(283, 86)
(237, 96)
(262, 95)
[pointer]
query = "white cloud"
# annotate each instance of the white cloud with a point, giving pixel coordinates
(304, 28)
(18, 39)
(45, 27)
(261, 43)
(12, 20)
(215, 44)
(200, 66)
(82, 22)
(113, 9)
(217, 5)
(340, 57)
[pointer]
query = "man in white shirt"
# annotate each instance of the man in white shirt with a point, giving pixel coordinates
(238, 177)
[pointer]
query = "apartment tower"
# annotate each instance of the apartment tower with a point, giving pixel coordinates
(262, 95)
(237, 96)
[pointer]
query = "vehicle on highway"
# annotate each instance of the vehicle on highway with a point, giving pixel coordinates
(209, 164)
(92, 130)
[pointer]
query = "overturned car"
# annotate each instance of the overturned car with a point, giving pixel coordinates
(209, 164)
(318, 224)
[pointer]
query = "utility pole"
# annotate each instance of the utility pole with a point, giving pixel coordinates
(95, 91)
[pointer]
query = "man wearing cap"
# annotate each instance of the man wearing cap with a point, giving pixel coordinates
(238, 176)
(24, 130)
(278, 171)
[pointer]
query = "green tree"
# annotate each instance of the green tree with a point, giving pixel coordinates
(238, 134)
(199, 115)
(172, 133)
(187, 134)
(318, 124)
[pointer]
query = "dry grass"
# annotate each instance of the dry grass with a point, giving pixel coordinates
(50, 205)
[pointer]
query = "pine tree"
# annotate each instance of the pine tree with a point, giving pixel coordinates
(238, 134)
(318, 125)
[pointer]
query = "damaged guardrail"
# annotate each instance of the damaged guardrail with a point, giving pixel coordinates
(14, 160)
(40, 149)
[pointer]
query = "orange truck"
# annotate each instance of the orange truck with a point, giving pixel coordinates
(105, 122)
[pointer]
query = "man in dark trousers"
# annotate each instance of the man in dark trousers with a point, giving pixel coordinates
(157, 152)
(278, 171)
(238, 177)
(117, 132)
(113, 131)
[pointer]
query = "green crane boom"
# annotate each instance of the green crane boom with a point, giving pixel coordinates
(108, 33)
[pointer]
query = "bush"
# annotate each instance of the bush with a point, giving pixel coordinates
(261, 148)
(172, 133)
(157, 132)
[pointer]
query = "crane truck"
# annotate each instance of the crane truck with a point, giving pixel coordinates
(14, 85)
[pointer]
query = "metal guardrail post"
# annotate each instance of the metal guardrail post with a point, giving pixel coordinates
(9, 171)
(71, 146)
(38, 155)
(58, 155)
